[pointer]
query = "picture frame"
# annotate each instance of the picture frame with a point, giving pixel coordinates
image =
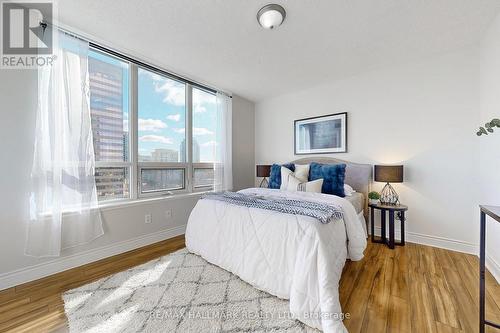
(321, 135)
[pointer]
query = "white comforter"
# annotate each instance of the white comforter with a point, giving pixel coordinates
(290, 256)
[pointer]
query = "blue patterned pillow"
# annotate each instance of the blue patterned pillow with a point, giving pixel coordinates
(275, 175)
(333, 177)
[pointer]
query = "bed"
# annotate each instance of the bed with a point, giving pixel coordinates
(290, 256)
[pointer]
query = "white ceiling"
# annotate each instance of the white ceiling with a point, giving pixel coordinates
(220, 42)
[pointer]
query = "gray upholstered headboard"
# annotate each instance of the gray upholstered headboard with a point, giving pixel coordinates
(359, 176)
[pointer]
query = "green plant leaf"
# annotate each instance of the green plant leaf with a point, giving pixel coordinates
(488, 127)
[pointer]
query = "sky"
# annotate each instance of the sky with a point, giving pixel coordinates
(162, 116)
(162, 112)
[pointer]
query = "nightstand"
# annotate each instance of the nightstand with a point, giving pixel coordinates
(399, 210)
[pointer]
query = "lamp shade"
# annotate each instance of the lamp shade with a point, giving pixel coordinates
(389, 173)
(263, 170)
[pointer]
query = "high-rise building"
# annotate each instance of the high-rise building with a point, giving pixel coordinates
(196, 151)
(161, 179)
(106, 110)
(182, 151)
(125, 146)
(165, 155)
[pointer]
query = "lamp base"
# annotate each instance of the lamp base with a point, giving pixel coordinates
(264, 182)
(388, 196)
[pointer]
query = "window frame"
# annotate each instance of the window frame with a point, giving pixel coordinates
(198, 165)
(134, 166)
(162, 165)
(203, 166)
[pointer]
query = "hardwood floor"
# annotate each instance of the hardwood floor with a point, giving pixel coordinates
(410, 289)
(37, 306)
(415, 288)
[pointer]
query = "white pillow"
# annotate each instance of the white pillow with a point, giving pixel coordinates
(294, 184)
(348, 190)
(301, 173)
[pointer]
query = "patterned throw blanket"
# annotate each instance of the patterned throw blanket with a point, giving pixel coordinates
(322, 212)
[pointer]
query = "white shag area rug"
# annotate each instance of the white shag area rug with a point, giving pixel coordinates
(180, 292)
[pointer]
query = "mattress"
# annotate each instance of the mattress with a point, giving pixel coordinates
(357, 200)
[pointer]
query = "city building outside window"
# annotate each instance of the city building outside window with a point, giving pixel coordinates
(109, 110)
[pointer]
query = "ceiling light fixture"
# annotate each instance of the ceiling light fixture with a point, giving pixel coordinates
(271, 16)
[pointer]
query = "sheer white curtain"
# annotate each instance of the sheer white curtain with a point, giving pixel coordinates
(63, 163)
(223, 167)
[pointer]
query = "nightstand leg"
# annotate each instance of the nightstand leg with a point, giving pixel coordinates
(391, 229)
(402, 219)
(382, 221)
(482, 272)
(372, 220)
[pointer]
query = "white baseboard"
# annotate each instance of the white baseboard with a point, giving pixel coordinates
(17, 277)
(493, 267)
(448, 244)
(436, 241)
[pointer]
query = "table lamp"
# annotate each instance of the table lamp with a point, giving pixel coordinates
(389, 174)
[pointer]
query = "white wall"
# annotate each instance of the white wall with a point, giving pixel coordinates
(423, 115)
(490, 145)
(243, 143)
(124, 226)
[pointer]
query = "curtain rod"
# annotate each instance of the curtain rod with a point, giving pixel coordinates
(99, 46)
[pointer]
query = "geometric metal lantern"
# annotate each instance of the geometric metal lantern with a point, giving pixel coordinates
(388, 196)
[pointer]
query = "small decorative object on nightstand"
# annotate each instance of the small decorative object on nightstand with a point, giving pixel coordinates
(400, 211)
(263, 171)
(389, 174)
(374, 197)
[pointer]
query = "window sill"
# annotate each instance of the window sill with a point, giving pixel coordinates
(142, 201)
(119, 204)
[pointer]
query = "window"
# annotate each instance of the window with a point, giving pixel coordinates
(143, 123)
(162, 133)
(154, 180)
(204, 137)
(162, 118)
(109, 110)
(203, 177)
(112, 183)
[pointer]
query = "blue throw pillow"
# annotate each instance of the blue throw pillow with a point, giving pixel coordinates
(333, 177)
(275, 175)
